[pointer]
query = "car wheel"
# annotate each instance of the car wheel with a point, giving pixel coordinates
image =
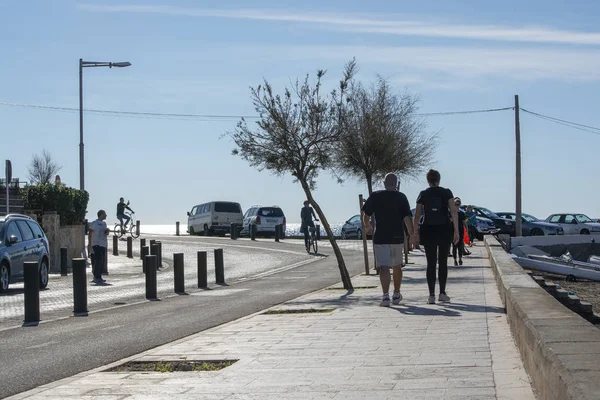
(585, 232)
(206, 230)
(44, 274)
(4, 277)
(192, 233)
(537, 232)
(343, 235)
(359, 233)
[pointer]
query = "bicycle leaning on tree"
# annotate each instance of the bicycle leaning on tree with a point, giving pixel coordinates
(130, 227)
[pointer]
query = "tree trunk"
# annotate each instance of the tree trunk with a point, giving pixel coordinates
(369, 183)
(346, 281)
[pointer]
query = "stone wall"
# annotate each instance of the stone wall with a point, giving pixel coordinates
(71, 237)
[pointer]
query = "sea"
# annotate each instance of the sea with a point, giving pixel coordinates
(290, 231)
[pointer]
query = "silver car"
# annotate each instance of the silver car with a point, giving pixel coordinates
(21, 239)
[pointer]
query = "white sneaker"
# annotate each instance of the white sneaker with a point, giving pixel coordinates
(444, 297)
(431, 300)
(396, 298)
(385, 301)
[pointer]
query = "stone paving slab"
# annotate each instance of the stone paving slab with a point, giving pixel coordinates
(458, 350)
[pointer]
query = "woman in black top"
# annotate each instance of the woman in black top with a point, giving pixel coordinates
(440, 223)
(460, 246)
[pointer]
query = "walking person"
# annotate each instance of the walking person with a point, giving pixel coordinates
(471, 224)
(460, 246)
(437, 205)
(97, 244)
(391, 212)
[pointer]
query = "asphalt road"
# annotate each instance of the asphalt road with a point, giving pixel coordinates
(33, 356)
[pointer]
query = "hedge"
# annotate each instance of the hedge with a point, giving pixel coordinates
(69, 203)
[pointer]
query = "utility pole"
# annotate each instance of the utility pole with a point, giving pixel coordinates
(518, 211)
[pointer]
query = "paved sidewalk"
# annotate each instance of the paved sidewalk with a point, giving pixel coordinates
(461, 350)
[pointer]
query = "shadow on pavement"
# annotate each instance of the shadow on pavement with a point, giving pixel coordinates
(413, 310)
(474, 308)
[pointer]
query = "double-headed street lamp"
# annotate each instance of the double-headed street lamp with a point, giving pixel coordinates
(82, 65)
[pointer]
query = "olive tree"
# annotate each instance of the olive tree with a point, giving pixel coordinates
(297, 133)
(383, 133)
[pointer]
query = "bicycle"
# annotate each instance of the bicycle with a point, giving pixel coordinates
(130, 227)
(312, 238)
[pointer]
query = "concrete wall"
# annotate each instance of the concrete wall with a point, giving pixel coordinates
(560, 350)
(70, 237)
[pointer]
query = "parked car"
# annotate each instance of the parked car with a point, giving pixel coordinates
(531, 226)
(352, 228)
(485, 226)
(22, 239)
(214, 217)
(575, 224)
(504, 225)
(265, 218)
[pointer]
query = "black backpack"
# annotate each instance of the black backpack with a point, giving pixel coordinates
(436, 209)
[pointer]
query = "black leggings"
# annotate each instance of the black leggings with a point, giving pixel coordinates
(437, 253)
(460, 246)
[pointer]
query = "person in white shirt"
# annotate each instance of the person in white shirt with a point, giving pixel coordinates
(97, 244)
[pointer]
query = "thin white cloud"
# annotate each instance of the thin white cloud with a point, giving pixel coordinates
(353, 23)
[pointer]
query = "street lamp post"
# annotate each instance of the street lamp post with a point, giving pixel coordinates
(82, 65)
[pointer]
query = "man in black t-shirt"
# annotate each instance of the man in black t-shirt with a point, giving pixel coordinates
(392, 212)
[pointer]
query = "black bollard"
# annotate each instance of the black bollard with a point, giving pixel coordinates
(277, 229)
(32, 292)
(219, 267)
(137, 228)
(159, 263)
(63, 261)
(202, 270)
(129, 247)
(145, 252)
(115, 245)
(232, 231)
(151, 277)
(153, 251)
(318, 231)
(253, 231)
(79, 287)
(142, 245)
(178, 273)
(177, 228)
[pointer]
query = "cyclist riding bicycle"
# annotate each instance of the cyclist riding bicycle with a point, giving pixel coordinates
(121, 206)
(306, 216)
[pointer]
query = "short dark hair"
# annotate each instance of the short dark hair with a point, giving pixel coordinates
(101, 212)
(433, 176)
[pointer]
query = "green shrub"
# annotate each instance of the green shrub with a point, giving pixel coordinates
(69, 203)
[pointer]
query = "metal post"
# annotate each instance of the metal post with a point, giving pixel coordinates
(32, 292)
(115, 245)
(277, 230)
(159, 258)
(137, 228)
(177, 228)
(151, 277)
(81, 156)
(406, 249)
(145, 251)
(219, 267)
(63, 261)
(179, 281)
(129, 247)
(232, 231)
(252, 231)
(79, 287)
(142, 245)
(364, 234)
(518, 212)
(202, 270)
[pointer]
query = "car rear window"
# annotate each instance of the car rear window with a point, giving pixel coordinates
(25, 230)
(37, 230)
(270, 212)
(227, 207)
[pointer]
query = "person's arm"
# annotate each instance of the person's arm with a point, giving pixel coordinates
(418, 212)
(366, 220)
(454, 214)
(409, 227)
(90, 231)
(367, 211)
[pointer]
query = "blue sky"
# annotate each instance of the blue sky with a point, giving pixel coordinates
(201, 56)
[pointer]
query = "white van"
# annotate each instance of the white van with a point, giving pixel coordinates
(214, 217)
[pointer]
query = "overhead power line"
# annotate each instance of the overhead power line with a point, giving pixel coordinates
(574, 125)
(202, 117)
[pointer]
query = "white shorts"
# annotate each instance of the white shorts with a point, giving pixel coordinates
(388, 255)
